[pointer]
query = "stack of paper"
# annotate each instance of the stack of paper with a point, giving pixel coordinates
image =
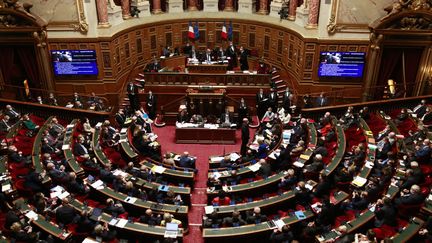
(208, 209)
(216, 159)
(158, 169)
(121, 223)
(97, 184)
(359, 181)
(255, 167)
(6, 187)
(234, 156)
(32, 215)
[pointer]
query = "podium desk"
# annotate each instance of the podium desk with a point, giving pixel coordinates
(205, 135)
(207, 68)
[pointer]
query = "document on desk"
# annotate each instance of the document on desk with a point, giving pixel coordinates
(359, 181)
(123, 130)
(208, 209)
(65, 146)
(97, 184)
(158, 169)
(113, 221)
(63, 195)
(216, 159)
(122, 223)
(300, 215)
(130, 200)
(255, 167)
(279, 223)
(6, 187)
(32, 215)
(234, 156)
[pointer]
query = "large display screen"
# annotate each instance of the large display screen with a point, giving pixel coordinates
(74, 62)
(341, 64)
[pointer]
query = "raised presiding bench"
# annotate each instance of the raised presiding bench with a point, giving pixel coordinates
(211, 133)
(207, 68)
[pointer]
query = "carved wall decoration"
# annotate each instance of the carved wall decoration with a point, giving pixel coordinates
(62, 15)
(355, 16)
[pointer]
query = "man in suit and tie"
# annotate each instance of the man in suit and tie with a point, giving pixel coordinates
(14, 116)
(286, 100)
(207, 58)
(420, 109)
(132, 91)
(321, 100)
(273, 100)
(245, 136)
(244, 65)
(261, 103)
(120, 117)
(226, 118)
(4, 124)
(151, 105)
(231, 56)
(220, 54)
(187, 50)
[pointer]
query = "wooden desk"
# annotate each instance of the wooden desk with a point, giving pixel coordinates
(140, 205)
(240, 79)
(205, 135)
(47, 226)
(207, 68)
(69, 156)
(365, 171)
(37, 146)
(100, 155)
(125, 144)
(408, 231)
(255, 230)
(341, 140)
(178, 175)
(137, 228)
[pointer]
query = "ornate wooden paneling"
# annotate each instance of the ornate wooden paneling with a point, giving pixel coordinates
(117, 54)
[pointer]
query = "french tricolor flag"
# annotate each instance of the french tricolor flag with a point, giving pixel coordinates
(191, 32)
(224, 34)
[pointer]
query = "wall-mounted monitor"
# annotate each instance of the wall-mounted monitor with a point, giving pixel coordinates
(341, 64)
(74, 62)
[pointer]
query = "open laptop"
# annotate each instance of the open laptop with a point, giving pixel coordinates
(171, 230)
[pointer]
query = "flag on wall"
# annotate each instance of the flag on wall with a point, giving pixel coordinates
(191, 32)
(224, 34)
(196, 31)
(230, 31)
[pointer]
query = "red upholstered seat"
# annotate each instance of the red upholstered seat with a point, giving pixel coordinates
(19, 185)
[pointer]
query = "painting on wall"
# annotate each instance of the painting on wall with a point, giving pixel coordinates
(355, 15)
(61, 15)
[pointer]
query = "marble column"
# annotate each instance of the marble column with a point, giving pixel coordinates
(125, 6)
(102, 11)
(192, 5)
(313, 14)
(263, 7)
(292, 10)
(157, 7)
(229, 6)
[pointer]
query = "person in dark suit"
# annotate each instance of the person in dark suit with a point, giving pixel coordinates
(12, 216)
(51, 100)
(186, 161)
(427, 117)
(420, 109)
(323, 187)
(113, 208)
(286, 100)
(302, 194)
(243, 111)
(149, 218)
(187, 50)
(220, 54)
(104, 233)
(12, 114)
(132, 91)
(234, 220)
(423, 151)
(151, 105)
(244, 65)
(231, 54)
(85, 224)
(413, 197)
(261, 103)
(182, 116)
(327, 215)
(255, 217)
(282, 235)
(120, 117)
(155, 66)
(245, 136)
(265, 169)
(273, 100)
(385, 213)
(16, 157)
(66, 214)
(321, 100)
(207, 57)
(4, 124)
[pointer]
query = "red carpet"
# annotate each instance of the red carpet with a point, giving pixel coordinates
(166, 137)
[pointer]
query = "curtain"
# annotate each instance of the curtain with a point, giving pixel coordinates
(6, 62)
(389, 61)
(27, 58)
